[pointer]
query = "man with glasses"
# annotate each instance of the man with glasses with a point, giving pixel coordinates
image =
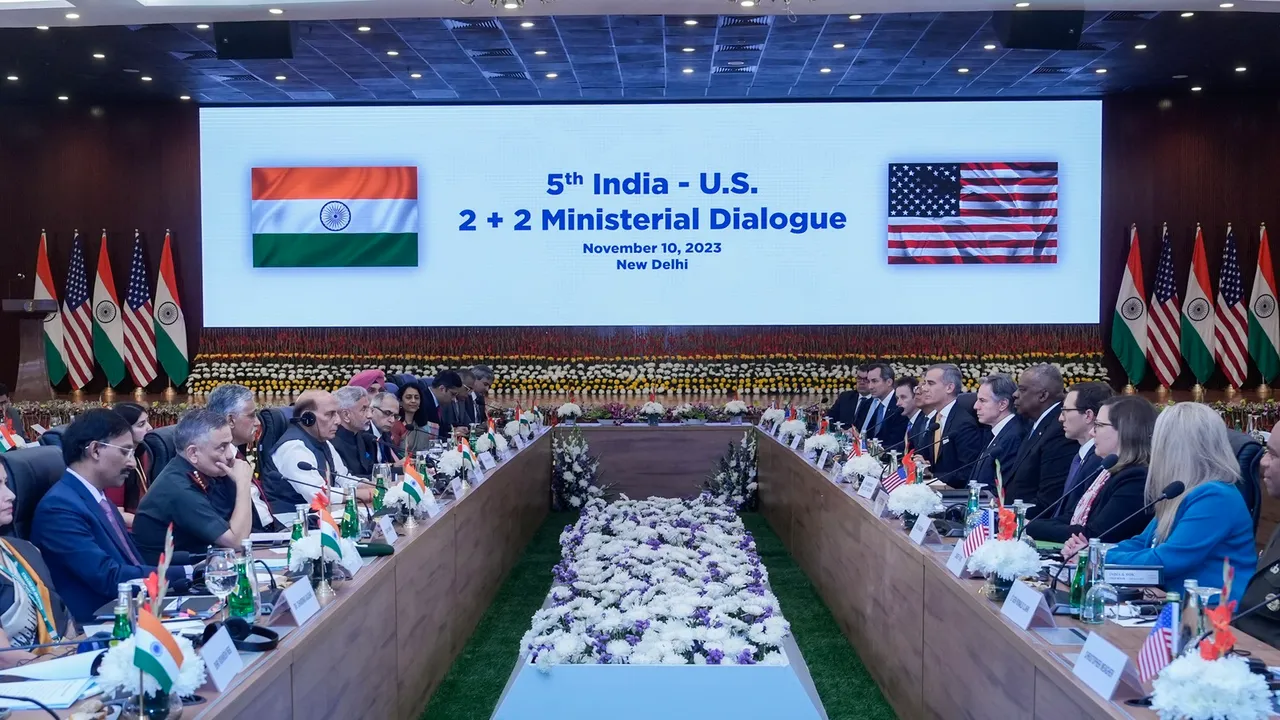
(80, 532)
(352, 440)
(384, 408)
(236, 404)
(851, 406)
(1079, 415)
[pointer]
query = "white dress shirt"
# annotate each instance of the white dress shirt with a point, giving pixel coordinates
(1085, 449)
(995, 429)
(308, 482)
(97, 494)
(945, 413)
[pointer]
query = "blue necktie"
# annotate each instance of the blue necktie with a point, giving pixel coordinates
(1072, 471)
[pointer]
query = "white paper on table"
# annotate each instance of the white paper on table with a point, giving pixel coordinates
(270, 537)
(63, 668)
(59, 694)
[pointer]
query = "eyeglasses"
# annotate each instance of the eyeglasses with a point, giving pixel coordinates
(128, 452)
(1099, 423)
(1066, 409)
(385, 412)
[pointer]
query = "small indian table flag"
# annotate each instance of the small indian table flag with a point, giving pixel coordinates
(329, 532)
(155, 651)
(411, 472)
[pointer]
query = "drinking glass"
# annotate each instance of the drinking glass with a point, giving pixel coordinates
(221, 574)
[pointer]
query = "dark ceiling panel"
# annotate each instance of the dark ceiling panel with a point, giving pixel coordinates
(614, 57)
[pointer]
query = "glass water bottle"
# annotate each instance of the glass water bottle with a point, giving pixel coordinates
(1101, 593)
(122, 628)
(243, 600)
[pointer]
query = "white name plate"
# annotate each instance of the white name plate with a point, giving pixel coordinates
(1104, 667)
(486, 460)
(795, 442)
(868, 487)
(388, 529)
(958, 560)
(923, 532)
(221, 658)
(1026, 607)
(302, 601)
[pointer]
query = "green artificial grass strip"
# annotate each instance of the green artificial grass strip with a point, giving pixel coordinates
(471, 689)
(843, 683)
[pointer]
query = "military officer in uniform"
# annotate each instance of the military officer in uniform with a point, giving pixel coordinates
(1264, 623)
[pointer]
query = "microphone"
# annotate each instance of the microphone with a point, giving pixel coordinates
(1108, 462)
(305, 466)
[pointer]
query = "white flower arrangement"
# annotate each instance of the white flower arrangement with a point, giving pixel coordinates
(307, 549)
(818, 443)
(735, 407)
(864, 466)
(915, 499)
(396, 497)
(118, 674)
(792, 428)
(680, 409)
(484, 444)
(1006, 559)
(652, 408)
(575, 473)
(658, 582)
(734, 480)
(569, 411)
(771, 416)
(515, 427)
(451, 464)
(1192, 688)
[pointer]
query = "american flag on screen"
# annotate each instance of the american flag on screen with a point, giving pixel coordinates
(987, 212)
(1157, 650)
(139, 329)
(1231, 326)
(1163, 323)
(78, 319)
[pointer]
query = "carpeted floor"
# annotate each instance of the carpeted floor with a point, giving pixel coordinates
(471, 689)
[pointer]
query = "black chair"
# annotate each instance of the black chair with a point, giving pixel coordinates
(53, 436)
(965, 402)
(32, 471)
(1248, 452)
(160, 443)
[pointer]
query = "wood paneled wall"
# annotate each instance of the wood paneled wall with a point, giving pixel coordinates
(118, 168)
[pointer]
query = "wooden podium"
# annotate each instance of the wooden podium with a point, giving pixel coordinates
(33, 373)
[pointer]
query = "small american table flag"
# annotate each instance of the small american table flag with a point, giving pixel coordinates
(1157, 650)
(978, 534)
(974, 212)
(895, 480)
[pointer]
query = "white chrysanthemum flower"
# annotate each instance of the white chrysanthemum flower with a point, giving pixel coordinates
(819, 443)
(569, 410)
(1006, 559)
(1195, 688)
(118, 672)
(792, 428)
(772, 415)
(450, 463)
(735, 407)
(915, 499)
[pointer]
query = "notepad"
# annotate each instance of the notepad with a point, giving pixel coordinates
(58, 694)
(71, 667)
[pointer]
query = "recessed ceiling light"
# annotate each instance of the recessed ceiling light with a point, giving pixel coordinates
(276, 11)
(735, 63)
(838, 46)
(1100, 71)
(280, 77)
(73, 16)
(1241, 68)
(989, 46)
(364, 28)
(748, 3)
(855, 17)
(99, 56)
(184, 97)
(415, 76)
(42, 27)
(1197, 88)
(202, 26)
(393, 53)
(12, 78)
(1187, 14)
(825, 70)
(539, 52)
(963, 70)
(1179, 77)
(1140, 46)
(145, 78)
(130, 70)
(688, 49)
(687, 71)
(63, 98)
(1226, 6)
(1022, 5)
(526, 24)
(552, 76)
(690, 22)
(511, 5)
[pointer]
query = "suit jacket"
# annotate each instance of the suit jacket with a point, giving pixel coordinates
(1074, 489)
(84, 554)
(1264, 623)
(848, 409)
(1040, 470)
(357, 451)
(963, 440)
(1004, 447)
(1120, 497)
(892, 426)
(57, 610)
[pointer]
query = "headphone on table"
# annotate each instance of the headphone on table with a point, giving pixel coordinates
(243, 634)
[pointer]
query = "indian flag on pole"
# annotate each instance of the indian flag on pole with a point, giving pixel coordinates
(1197, 316)
(1129, 325)
(108, 328)
(155, 652)
(9, 440)
(411, 472)
(329, 532)
(335, 217)
(55, 355)
(1264, 322)
(464, 448)
(171, 326)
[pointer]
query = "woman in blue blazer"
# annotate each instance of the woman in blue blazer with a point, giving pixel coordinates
(1192, 533)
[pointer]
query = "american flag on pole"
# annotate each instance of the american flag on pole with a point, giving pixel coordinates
(978, 535)
(978, 212)
(1163, 319)
(1231, 327)
(896, 479)
(139, 328)
(1157, 650)
(78, 319)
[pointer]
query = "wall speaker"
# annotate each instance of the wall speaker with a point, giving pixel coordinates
(254, 40)
(1039, 29)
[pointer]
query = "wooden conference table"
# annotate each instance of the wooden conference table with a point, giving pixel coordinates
(381, 646)
(934, 645)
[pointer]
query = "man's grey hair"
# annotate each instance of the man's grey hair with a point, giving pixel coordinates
(467, 377)
(195, 425)
(1002, 387)
(950, 375)
(348, 396)
(1049, 378)
(230, 399)
(377, 398)
(483, 373)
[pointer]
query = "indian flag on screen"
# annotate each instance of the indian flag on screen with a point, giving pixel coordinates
(335, 217)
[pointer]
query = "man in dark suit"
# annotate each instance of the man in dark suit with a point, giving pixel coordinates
(994, 408)
(1264, 624)
(883, 420)
(79, 531)
(906, 392)
(435, 416)
(954, 437)
(1040, 470)
(481, 380)
(1079, 410)
(850, 407)
(352, 440)
(384, 408)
